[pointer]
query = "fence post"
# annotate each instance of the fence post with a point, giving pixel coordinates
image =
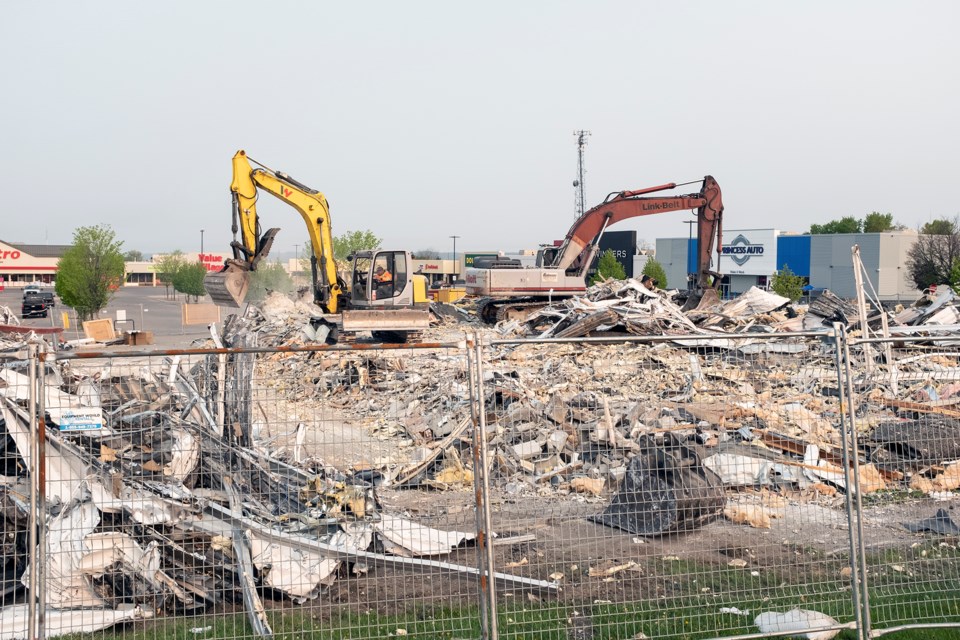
(851, 475)
(41, 466)
(481, 466)
(34, 517)
(475, 410)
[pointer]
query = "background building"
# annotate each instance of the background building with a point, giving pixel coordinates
(884, 257)
(751, 257)
(22, 264)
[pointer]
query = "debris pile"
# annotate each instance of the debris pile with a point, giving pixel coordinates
(8, 317)
(168, 491)
(154, 504)
(626, 306)
(569, 421)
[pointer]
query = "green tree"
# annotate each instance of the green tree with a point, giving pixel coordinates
(877, 222)
(188, 279)
(608, 267)
(269, 277)
(788, 284)
(931, 259)
(166, 266)
(303, 259)
(939, 227)
(352, 241)
(90, 270)
(847, 224)
(426, 254)
(133, 256)
(655, 270)
(955, 276)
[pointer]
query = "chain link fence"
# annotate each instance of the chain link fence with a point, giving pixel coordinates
(684, 486)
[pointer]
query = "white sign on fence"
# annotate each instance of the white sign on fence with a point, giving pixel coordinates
(82, 419)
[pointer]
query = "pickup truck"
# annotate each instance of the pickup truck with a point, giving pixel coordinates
(47, 296)
(34, 306)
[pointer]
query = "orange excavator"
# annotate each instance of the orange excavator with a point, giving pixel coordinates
(513, 291)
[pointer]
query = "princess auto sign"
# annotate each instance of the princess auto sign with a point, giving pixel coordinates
(751, 252)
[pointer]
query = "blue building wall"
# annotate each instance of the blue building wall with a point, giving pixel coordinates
(794, 251)
(691, 255)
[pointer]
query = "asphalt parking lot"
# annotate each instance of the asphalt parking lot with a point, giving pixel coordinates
(144, 308)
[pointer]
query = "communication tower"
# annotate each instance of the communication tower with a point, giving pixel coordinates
(578, 183)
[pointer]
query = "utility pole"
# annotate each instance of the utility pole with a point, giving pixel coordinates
(455, 265)
(578, 183)
(201, 241)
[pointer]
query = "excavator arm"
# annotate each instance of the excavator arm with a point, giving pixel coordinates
(580, 245)
(229, 286)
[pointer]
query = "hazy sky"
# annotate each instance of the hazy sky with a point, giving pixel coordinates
(422, 120)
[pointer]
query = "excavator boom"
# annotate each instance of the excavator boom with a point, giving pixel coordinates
(514, 291)
(229, 286)
(589, 227)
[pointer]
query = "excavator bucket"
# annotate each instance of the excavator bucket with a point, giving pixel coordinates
(707, 299)
(228, 287)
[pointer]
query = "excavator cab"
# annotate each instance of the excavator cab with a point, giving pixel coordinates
(385, 298)
(383, 279)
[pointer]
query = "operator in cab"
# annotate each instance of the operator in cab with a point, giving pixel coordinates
(384, 280)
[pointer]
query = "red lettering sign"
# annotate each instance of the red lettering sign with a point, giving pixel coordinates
(12, 255)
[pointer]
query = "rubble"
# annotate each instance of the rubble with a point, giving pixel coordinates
(666, 490)
(544, 438)
(184, 494)
(940, 523)
(157, 507)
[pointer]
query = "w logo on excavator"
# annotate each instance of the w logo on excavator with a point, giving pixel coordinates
(286, 192)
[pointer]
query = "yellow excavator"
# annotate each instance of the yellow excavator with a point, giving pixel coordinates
(384, 296)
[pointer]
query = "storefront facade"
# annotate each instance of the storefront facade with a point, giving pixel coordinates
(23, 264)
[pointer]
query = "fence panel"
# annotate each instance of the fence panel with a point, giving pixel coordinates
(18, 498)
(655, 487)
(669, 488)
(239, 493)
(907, 415)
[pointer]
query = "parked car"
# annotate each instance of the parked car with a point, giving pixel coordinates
(31, 290)
(34, 306)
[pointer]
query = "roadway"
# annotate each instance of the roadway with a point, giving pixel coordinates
(146, 309)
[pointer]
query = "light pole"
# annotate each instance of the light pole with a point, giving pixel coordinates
(455, 265)
(201, 242)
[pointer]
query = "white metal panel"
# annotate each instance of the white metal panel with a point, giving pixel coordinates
(672, 256)
(821, 250)
(842, 282)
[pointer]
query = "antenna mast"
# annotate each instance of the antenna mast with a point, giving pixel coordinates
(578, 183)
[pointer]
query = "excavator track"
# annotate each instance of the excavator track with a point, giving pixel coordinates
(495, 310)
(519, 312)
